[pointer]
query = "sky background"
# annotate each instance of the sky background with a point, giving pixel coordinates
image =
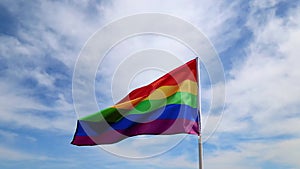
(257, 42)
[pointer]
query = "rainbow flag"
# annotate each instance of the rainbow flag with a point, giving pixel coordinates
(166, 106)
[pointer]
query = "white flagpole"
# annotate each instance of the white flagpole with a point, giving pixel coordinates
(200, 151)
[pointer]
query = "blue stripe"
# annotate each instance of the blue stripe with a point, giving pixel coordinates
(168, 112)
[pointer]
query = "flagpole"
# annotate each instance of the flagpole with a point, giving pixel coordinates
(200, 151)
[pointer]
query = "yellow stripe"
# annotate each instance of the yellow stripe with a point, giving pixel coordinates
(129, 104)
(162, 92)
(187, 86)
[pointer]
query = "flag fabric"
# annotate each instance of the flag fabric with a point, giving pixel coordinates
(169, 105)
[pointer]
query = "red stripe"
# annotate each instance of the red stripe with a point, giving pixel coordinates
(171, 127)
(188, 71)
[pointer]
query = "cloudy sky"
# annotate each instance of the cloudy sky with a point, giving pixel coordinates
(257, 42)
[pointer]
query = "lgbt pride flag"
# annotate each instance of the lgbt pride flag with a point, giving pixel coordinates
(166, 106)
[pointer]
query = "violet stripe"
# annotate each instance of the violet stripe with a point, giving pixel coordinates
(157, 127)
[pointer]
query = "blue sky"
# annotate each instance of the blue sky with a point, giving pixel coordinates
(257, 42)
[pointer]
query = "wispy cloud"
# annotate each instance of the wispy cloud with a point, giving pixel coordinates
(257, 42)
(37, 64)
(266, 84)
(263, 95)
(15, 155)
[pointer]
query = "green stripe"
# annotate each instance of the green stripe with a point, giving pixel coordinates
(113, 115)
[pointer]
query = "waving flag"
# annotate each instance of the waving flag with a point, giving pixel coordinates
(166, 106)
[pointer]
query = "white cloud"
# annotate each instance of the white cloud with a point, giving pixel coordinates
(166, 161)
(266, 87)
(143, 147)
(253, 154)
(16, 155)
(264, 4)
(10, 136)
(263, 97)
(212, 17)
(41, 38)
(16, 107)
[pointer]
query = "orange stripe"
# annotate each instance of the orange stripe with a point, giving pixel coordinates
(187, 86)
(128, 104)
